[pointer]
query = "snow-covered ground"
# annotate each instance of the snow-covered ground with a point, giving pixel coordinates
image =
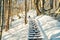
(15, 17)
(16, 23)
(31, 13)
(19, 31)
(49, 25)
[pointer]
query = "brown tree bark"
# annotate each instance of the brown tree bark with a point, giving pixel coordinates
(36, 7)
(8, 15)
(25, 11)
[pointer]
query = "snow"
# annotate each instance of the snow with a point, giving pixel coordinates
(49, 25)
(17, 22)
(32, 14)
(22, 15)
(16, 33)
(32, 26)
(15, 17)
(44, 19)
(19, 31)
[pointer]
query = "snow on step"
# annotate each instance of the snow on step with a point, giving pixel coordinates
(34, 32)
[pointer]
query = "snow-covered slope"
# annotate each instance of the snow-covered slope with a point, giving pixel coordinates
(16, 23)
(49, 25)
(18, 33)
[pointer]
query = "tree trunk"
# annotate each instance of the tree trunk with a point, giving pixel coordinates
(2, 18)
(8, 15)
(25, 11)
(36, 7)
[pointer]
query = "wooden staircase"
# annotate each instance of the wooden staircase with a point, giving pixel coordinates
(34, 32)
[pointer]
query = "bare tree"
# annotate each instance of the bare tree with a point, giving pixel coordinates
(1, 17)
(25, 11)
(37, 7)
(8, 14)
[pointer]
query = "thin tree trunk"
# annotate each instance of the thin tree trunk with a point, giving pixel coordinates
(43, 7)
(36, 7)
(8, 18)
(25, 11)
(2, 19)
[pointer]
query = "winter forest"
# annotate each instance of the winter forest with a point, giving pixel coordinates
(29, 19)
